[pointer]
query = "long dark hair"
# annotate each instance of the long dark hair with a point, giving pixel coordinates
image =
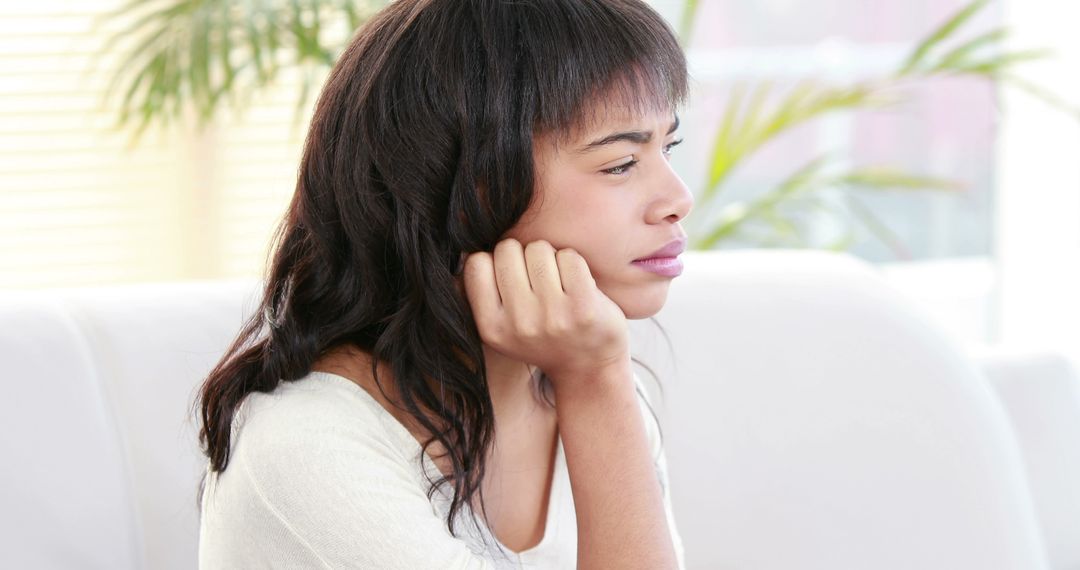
(420, 151)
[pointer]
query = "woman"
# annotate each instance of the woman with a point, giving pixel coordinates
(439, 374)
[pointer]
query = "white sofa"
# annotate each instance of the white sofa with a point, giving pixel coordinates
(814, 419)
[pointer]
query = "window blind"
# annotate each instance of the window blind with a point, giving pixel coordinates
(79, 207)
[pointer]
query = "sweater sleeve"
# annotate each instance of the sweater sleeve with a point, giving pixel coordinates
(322, 493)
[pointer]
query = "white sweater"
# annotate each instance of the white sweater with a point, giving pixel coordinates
(322, 476)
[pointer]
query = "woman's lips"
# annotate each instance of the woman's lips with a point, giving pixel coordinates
(665, 266)
(672, 249)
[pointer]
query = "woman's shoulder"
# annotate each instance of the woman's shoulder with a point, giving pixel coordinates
(320, 476)
(317, 417)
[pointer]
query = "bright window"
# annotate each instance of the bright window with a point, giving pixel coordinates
(80, 208)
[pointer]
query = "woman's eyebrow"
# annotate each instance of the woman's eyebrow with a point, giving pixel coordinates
(637, 137)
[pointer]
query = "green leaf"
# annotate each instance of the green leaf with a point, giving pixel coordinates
(721, 159)
(139, 57)
(301, 102)
(884, 177)
(877, 228)
(784, 228)
(254, 42)
(352, 14)
(940, 34)
(686, 24)
(168, 13)
(731, 220)
(803, 183)
(841, 244)
(960, 54)
(212, 52)
(1041, 94)
(742, 133)
(199, 64)
(993, 67)
(146, 77)
(803, 179)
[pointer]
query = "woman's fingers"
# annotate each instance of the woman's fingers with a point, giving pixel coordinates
(511, 275)
(543, 270)
(543, 307)
(512, 278)
(574, 273)
(480, 286)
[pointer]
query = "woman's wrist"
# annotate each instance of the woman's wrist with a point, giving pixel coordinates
(595, 382)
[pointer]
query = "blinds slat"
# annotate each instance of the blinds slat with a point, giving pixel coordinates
(79, 207)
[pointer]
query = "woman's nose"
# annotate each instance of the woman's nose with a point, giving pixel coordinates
(673, 200)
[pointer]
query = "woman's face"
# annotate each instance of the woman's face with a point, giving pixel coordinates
(611, 194)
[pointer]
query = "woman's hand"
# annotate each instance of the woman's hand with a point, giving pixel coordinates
(542, 306)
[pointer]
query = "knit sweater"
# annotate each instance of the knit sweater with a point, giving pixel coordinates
(322, 476)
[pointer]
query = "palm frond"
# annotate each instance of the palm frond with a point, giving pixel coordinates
(205, 53)
(963, 52)
(735, 215)
(686, 24)
(803, 183)
(1041, 94)
(742, 132)
(940, 34)
(881, 178)
(994, 66)
(878, 228)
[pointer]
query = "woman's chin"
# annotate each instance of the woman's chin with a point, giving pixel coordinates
(641, 303)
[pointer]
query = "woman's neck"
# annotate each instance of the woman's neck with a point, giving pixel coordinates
(512, 384)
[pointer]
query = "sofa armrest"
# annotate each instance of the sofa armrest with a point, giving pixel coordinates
(1041, 393)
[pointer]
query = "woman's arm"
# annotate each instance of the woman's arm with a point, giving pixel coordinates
(618, 499)
(542, 307)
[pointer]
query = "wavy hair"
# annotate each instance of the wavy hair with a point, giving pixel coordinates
(420, 151)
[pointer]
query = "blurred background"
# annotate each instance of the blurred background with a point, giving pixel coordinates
(159, 141)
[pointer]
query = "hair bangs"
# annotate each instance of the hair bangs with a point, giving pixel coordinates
(585, 59)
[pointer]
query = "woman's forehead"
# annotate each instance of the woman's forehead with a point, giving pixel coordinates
(622, 118)
(623, 104)
(607, 119)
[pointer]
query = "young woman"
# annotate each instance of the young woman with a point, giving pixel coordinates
(439, 374)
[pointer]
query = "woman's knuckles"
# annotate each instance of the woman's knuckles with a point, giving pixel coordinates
(529, 331)
(539, 247)
(540, 271)
(556, 330)
(559, 326)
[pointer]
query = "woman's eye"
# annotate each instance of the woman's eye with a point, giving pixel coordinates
(620, 169)
(671, 145)
(624, 168)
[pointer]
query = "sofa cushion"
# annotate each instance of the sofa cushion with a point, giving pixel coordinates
(152, 345)
(65, 483)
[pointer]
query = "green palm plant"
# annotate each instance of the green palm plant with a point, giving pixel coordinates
(210, 54)
(750, 121)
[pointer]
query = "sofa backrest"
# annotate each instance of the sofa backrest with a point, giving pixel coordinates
(65, 487)
(814, 420)
(106, 463)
